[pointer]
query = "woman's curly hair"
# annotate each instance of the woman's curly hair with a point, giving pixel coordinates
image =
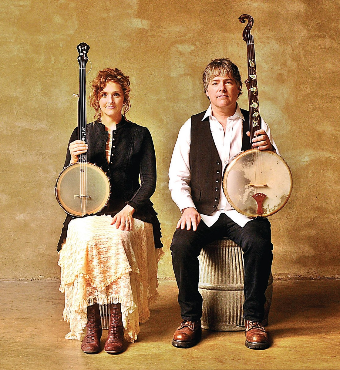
(99, 83)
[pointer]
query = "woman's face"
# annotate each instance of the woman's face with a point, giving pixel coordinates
(111, 100)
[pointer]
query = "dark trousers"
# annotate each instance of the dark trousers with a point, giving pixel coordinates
(254, 239)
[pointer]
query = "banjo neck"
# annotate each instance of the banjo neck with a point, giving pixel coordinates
(83, 49)
(251, 82)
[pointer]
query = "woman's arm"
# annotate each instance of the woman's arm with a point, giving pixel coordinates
(147, 173)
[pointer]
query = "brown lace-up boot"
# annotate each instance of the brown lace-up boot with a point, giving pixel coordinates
(91, 341)
(115, 340)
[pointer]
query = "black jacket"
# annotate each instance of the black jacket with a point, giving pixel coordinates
(132, 170)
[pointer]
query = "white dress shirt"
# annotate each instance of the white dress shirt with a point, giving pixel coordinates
(228, 145)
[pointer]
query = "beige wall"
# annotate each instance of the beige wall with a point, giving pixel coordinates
(164, 46)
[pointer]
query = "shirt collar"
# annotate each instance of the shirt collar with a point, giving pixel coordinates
(238, 114)
(121, 122)
(208, 113)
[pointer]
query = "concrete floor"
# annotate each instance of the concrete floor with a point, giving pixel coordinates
(304, 324)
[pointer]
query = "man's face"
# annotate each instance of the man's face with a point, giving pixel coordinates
(223, 92)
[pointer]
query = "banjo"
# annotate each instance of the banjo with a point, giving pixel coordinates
(82, 188)
(256, 183)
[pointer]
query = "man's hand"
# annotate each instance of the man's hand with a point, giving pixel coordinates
(190, 218)
(261, 140)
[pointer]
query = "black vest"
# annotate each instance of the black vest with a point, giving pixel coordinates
(206, 164)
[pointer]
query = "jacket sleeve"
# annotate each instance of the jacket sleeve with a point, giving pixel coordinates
(73, 137)
(147, 173)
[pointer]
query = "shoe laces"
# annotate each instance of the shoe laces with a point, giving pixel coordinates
(93, 327)
(188, 324)
(91, 334)
(115, 332)
(255, 325)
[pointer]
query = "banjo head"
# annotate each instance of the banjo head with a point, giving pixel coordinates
(257, 174)
(95, 188)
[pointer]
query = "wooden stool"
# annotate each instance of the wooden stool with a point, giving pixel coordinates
(221, 284)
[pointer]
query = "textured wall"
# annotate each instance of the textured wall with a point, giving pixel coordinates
(164, 46)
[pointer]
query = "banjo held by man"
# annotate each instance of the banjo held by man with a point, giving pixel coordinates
(256, 183)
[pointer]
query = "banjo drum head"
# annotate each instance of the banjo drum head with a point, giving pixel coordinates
(255, 171)
(97, 189)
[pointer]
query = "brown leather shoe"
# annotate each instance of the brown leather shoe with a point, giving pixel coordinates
(256, 336)
(91, 341)
(115, 340)
(188, 334)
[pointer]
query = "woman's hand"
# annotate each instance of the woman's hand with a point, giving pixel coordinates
(123, 219)
(190, 218)
(261, 140)
(76, 148)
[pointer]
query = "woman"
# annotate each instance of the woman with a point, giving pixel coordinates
(106, 258)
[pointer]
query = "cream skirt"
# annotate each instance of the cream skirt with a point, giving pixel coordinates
(102, 264)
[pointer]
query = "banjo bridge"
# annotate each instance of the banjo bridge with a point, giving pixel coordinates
(82, 196)
(259, 185)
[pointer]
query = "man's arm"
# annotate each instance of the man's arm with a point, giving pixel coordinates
(179, 180)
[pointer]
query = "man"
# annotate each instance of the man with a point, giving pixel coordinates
(205, 145)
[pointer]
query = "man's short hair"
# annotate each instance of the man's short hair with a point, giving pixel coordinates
(221, 67)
